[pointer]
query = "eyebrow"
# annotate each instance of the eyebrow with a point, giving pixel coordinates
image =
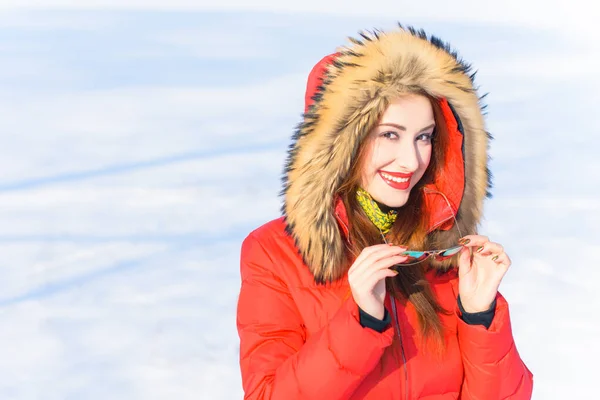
(403, 128)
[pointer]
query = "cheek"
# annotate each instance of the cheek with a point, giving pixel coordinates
(426, 157)
(368, 173)
(370, 164)
(382, 154)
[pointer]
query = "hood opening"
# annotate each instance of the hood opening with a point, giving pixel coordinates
(344, 97)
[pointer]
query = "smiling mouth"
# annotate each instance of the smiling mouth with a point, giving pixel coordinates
(396, 180)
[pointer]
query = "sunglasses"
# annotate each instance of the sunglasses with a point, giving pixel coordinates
(417, 256)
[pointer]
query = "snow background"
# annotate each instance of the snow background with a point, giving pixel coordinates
(142, 140)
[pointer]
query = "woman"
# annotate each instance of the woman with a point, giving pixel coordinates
(337, 301)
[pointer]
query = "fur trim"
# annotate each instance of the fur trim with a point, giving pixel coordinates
(356, 90)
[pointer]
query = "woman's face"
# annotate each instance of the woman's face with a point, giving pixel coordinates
(399, 150)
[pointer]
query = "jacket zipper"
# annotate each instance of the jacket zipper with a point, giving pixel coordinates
(397, 323)
(399, 334)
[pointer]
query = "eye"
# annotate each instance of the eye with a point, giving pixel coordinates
(425, 137)
(390, 135)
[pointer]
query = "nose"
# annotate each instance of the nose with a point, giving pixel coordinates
(408, 157)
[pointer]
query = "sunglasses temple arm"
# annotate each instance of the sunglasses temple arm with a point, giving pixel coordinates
(449, 206)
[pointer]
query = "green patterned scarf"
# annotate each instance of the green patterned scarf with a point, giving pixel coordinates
(382, 220)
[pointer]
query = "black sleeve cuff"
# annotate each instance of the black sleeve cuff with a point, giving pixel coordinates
(484, 318)
(369, 321)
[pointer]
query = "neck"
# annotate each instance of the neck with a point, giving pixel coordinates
(385, 208)
(381, 215)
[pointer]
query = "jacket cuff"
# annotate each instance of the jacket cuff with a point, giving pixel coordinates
(484, 318)
(355, 348)
(369, 321)
(482, 345)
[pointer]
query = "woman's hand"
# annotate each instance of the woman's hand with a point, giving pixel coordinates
(482, 265)
(367, 276)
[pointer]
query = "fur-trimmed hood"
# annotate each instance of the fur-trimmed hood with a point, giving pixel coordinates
(357, 84)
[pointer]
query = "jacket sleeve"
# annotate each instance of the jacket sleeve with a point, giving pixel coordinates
(492, 365)
(277, 359)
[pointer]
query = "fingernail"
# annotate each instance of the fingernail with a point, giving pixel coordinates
(464, 241)
(494, 258)
(480, 249)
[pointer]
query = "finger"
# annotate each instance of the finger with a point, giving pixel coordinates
(362, 256)
(369, 251)
(381, 253)
(464, 261)
(375, 278)
(374, 268)
(385, 263)
(501, 259)
(489, 248)
(375, 254)
(473, 240)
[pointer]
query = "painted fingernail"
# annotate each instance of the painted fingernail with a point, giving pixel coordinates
(480, 249)
(464, 241)
(494, 258)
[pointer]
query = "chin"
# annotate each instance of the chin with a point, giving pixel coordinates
(396, 202)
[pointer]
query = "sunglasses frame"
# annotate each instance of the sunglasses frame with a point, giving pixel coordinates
(424, 255)
(421, 256)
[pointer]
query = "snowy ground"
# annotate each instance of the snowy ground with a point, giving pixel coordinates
(139, 147)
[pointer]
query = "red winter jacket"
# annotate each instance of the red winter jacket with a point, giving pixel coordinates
(300, 335)
(300, 340)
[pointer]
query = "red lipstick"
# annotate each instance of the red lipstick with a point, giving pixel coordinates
(397, 180)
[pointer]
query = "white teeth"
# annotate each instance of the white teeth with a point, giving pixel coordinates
(392, 178)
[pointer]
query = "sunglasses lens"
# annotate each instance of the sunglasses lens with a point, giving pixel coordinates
(414, 256)
(448, 253)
